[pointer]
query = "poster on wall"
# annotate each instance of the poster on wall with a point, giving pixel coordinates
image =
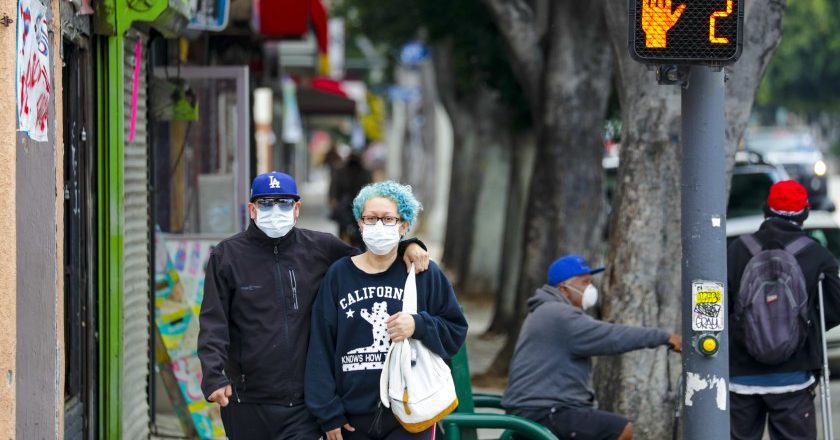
(33, 69)
(179, 290)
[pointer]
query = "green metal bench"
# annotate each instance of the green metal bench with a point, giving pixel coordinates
(463, 423)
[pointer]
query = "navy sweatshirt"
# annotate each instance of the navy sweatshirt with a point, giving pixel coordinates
(349, 338)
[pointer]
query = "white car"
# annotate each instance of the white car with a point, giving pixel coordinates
(822, 226)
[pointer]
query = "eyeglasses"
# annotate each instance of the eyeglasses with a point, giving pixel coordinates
(387, 220)
(267, 204)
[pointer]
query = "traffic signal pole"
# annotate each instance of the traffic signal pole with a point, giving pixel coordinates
(705, 327)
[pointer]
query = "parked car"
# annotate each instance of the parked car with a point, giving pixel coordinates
(822, 226)
(797, 151)
(752, 177)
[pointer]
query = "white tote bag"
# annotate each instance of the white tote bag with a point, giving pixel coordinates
(415, 382)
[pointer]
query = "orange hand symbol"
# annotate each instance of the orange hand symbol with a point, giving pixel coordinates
(657, 19)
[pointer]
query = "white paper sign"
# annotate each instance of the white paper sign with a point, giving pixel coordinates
(33, 69)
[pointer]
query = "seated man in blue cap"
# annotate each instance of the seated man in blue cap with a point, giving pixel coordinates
(255, 317)
(550, 380)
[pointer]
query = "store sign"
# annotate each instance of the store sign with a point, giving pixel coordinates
(686, 32)
(210, 15)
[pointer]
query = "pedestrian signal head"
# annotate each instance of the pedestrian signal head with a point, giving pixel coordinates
(686, 31)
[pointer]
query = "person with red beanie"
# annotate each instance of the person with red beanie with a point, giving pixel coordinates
(778, 392)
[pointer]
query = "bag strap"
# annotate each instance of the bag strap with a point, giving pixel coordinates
(410, 292)
(751, 243)
(798, 245)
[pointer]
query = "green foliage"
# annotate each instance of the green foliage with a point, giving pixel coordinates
(478, 52)
(804, 74)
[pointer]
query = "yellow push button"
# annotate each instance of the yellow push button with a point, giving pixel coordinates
(708, 345)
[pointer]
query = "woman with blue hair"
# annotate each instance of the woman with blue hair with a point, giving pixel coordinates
(357, 315)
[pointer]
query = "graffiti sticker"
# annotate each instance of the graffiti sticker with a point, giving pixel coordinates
(707, 302)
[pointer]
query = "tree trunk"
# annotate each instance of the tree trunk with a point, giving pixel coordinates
(465, 144)
(481, 130)
(642, 283)
(480, 275)
(565, 195)
(522, 164)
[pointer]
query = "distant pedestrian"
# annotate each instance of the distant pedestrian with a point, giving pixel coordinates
(774, 384)
(346, 182)
(550, 380)
(254, 325)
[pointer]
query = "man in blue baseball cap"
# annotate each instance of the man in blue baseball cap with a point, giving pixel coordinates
(550, 379)
(255, 317)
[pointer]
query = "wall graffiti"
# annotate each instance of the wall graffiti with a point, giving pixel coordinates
(179, 288)
(33, 69)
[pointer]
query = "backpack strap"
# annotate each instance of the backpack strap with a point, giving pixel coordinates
(798, 245)
(751, 243)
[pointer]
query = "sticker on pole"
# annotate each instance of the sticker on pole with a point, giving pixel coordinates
(707, 306)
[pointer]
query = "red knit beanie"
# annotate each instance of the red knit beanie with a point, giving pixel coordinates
(788, 198)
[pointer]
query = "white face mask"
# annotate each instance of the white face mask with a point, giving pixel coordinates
(380, 239)
(275, 222)
(589, 294)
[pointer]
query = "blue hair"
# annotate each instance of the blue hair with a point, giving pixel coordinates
(407, 205)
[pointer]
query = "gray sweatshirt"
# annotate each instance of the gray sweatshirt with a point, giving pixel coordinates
(552, 363)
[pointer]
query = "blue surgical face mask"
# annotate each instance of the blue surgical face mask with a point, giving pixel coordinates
(275, 222)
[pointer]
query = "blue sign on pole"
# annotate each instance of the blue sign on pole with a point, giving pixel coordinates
(413, 53)
(210, 15)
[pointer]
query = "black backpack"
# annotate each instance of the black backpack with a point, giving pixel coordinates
(773, 301)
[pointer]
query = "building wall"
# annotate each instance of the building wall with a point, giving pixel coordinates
(39, 235)
(8, 297)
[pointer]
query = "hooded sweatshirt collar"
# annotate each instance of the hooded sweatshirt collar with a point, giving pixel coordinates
(546, 294)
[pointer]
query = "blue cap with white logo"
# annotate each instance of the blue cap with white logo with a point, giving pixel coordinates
(274, 184)
(567, 267)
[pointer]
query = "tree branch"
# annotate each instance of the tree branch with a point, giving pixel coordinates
(516, 22)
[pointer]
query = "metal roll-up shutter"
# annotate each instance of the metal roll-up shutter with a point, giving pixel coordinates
(136, 295)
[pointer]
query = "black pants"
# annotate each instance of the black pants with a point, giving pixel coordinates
(790, 416)
(255, 421)
(577, 423)
(387, 428)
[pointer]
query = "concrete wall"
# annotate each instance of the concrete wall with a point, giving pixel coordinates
(39, 236)
(8, 268)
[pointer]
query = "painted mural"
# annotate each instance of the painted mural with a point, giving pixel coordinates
(179, 287)
(34, 84)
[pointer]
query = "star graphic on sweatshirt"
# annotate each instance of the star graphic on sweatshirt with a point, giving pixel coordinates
(350, 313)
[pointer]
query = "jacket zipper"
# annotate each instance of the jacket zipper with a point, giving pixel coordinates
(282, 300)
(236, 391)
(293, 283)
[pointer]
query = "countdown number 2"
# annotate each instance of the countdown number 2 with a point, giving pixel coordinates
(712, 18)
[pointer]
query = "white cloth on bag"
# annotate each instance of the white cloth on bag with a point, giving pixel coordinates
(415, 382)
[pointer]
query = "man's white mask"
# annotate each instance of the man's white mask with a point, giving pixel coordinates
(275, 222)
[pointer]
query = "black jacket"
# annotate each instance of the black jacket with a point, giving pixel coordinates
(814, 260)
(255, 316)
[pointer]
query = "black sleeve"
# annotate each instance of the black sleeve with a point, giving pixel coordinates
(404, 245)
(441, 327)
(340, 249)
(320, 389)
(737, 257)
(213, 336)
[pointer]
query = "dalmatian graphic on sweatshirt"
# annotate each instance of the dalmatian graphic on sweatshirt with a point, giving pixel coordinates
(371, 356)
